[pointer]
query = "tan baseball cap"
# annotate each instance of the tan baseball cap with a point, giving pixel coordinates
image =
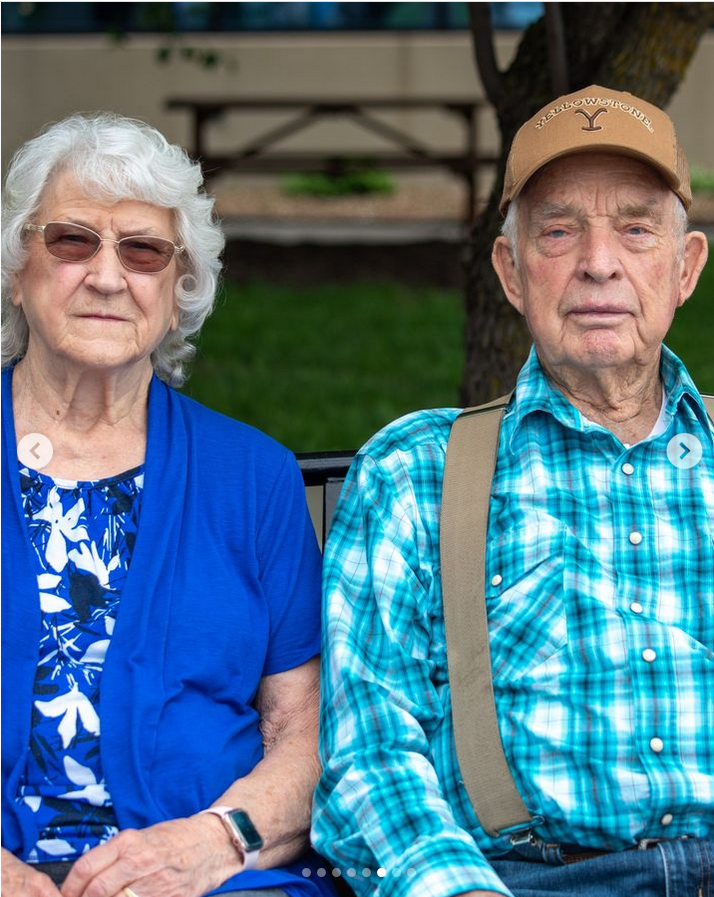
(597, 118)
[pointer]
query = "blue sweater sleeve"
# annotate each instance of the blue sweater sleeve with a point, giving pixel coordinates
(290, 572)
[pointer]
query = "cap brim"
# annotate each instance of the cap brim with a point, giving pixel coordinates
(616, 149)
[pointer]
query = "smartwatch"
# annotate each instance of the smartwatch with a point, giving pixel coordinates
(243, 834)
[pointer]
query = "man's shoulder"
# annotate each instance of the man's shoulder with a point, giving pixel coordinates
(417, 433)
(402, 463)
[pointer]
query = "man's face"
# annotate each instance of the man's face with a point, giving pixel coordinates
(602, 262)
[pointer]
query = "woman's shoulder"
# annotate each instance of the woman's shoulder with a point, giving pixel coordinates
(226, 438)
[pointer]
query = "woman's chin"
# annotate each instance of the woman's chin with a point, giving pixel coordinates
(101, 356)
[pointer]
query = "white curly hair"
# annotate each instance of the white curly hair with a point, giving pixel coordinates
(116, 158)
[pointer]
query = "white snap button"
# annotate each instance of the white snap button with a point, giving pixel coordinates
(649, 655)
(496, 580)
(657, 745)
(628, 469)
(666, 819)
(636, 607)
(635, 538)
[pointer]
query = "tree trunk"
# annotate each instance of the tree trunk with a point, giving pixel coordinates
(643, 48)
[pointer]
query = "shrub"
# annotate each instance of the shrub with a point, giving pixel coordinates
(351, 181)
(702, 180)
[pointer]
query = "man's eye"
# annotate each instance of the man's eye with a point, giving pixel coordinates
(636, 230)
(556, 232)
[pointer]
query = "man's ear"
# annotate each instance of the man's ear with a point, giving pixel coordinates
(504, 264)
(696, 250)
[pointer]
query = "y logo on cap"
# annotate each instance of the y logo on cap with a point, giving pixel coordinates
(591, 126)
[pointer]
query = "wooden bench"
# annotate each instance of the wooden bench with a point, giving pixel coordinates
(323, 474)
(259, 154)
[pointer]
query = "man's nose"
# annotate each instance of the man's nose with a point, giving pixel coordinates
(600, 257)
(106, 273)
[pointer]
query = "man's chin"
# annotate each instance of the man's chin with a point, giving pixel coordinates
(597, 350)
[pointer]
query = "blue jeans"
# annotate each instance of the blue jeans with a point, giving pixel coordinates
(677, 868)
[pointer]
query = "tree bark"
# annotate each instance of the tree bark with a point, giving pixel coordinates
(643, 48)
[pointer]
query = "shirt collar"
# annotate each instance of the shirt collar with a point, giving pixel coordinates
(679, 385)
(534, 392)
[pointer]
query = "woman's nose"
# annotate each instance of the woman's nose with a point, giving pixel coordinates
(106, 273)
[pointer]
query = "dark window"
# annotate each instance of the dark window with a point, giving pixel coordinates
(88, 18)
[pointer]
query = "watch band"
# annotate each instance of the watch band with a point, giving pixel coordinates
(248, 855)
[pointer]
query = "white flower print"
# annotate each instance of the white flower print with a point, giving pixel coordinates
(55, 846)
(95, 653)
(87, 559)
(93, 792)
(51, 604)
(83, 539)
(71, 705)
(48, 581)
(63, 527)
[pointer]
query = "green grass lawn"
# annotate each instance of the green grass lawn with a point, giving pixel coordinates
(324, 367)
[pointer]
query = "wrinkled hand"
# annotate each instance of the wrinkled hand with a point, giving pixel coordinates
(180, 858)
(21, 880)
(479, 894)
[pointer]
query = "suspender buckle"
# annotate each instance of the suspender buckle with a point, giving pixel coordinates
(522, 834)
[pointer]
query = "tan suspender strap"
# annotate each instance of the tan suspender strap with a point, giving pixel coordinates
(709, 405)
(470, 462)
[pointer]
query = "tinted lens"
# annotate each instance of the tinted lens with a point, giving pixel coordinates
(70, 242)
(147, 255)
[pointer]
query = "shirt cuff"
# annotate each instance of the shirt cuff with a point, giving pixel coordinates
(443, 865)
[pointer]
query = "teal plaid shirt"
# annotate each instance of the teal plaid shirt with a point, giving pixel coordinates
(600, 593)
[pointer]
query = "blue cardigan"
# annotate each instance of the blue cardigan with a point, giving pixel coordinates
(223, 588)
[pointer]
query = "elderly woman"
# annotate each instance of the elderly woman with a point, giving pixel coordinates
(160, 592)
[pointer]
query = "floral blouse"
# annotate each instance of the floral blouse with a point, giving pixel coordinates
(83, 535)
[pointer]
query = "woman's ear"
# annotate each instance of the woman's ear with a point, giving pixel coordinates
(16, 290)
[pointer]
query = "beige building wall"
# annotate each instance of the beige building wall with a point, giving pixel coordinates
(44, 78)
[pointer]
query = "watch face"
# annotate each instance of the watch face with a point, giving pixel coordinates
(245, 830)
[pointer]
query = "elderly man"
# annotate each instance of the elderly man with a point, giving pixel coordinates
(599, 565)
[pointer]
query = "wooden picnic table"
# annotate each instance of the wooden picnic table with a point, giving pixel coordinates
(259, 155)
